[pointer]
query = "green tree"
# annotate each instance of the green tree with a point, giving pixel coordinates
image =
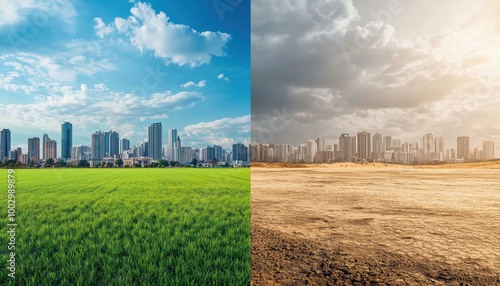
(162, 163)
(119, 162)
(49, 162)
(109, 164)
(19, 164)
(83, 163)
(194, 162)
(11, 163)
(60, 163)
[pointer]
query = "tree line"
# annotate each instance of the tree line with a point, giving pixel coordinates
(50, 163)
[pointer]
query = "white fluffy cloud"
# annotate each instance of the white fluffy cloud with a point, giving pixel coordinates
(217, 132)
(33, 72)
(221, 76)
(14, 12)
(175, 43)
(201, 83)
(93, 106)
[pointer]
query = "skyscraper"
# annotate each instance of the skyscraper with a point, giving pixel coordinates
(50, 149)
(387, 142)
(320, 144)
(97, 146)
(34, 150)
(439, 148)
(45, 138)
(240, 152)
(218, 152)
(106, 151)
(345, 146)
(377, 145)
(209, 153)
(428, 145)
(172, 141)
(4, 144)
(311, 151)
(154, 140)
(463, 149)
(124, 145)
(175, 153)
(48, 145)
(488, 150)
(364, 145)
(114, 143)
(66, 140)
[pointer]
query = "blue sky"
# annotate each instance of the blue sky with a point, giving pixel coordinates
(124, 65)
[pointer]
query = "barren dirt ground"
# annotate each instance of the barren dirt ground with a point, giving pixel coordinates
(375, 226)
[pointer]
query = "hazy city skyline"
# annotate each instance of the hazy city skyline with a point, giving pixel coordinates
(366, 146)
(323, 68)
(122, 66)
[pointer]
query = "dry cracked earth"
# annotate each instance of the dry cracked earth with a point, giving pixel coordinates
(375, 226)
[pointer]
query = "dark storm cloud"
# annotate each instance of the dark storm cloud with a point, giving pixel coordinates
(326, 66)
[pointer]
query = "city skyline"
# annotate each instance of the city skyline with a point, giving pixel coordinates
(100, 66)
(102, 141)
(365, 146)
(338, 66)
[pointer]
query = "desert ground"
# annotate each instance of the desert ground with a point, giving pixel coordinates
(375, 224)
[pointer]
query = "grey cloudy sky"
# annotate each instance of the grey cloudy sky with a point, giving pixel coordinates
(398, 67)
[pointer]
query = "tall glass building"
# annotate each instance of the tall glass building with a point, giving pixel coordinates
(66, 140)
(154, 140)
(4, 144)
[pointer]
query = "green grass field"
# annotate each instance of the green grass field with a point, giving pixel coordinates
(129, 227)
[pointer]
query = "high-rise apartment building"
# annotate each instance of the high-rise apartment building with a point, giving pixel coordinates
(377, 145)
(439, 148)
(488, 150)
(97, 146)
(463, 150)
(124, 145)
(240, 152)
(320, 144)
(364, 145)
(154, 140)
(209, 153)
(44, 139)
(33, 155)
(311, 151)
(114, 143)
(66, 140)
(387, 142)
(81, 153)
(50, 149)
(175, 152)
(345, 146)
(218, 151)
(428, 143)
(172, 143)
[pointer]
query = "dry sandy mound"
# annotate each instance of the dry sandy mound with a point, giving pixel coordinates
(340, 165)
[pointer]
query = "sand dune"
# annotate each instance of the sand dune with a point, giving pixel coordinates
(471, 165)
